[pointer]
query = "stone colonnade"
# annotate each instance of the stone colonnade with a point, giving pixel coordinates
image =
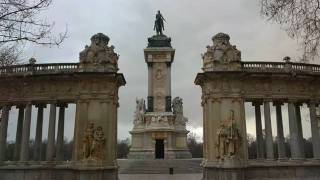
(295, 129)
(54, 151)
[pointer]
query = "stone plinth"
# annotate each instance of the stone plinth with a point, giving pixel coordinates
(159, 126)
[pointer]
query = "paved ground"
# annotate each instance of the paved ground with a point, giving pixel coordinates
(160, 177)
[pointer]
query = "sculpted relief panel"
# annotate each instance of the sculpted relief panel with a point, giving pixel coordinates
(159, 82)
(93, 143)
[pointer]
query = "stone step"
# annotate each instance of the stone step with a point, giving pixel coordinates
(180, 166)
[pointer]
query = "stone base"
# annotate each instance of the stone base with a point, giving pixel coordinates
(268, 170)
(40, 172)
(169, 154)
(141, 155)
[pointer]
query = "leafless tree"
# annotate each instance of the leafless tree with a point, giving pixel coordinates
(300, 19)
(9, 55)
(21, 21)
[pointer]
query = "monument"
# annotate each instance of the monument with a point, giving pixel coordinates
(159, 130)
(228, 83)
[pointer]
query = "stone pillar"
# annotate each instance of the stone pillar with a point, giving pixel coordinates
(17, 147)
(268, 130)
(168, 97)
(314, 131)
(300, 134)
(51, 133)
(38, 139)
(60, 135)
(280, 136)
(295, 146)
(150, 87)
(3, 131)
(24, 153)
(259, 135)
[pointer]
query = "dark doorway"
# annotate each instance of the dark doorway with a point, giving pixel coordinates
(159, 149)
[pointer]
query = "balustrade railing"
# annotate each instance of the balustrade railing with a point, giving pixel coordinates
(52, 68)
(280, 67)
(253, 66)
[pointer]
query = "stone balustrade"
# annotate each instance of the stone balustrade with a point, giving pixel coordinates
(257, 66)
(27, 69)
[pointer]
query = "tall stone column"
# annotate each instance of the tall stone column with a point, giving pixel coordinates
(24, 153)
(168, 97)
(17, 147)
(314, 131)
(300, 133)
(280, 136)
(268, 130)
(60, 135)
(38, 139)
(51, 133)
(259, 135)
(150, 87)
(296, 152)
(3, 131)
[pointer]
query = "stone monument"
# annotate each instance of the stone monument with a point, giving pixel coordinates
(225, 148)
(160, 129)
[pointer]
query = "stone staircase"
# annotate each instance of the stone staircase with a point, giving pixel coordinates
(159, 166)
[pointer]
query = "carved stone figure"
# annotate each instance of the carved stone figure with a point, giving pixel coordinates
(158, 24)
(88, 140)
(93, 143)
(221, 51)
(177, 107)
(229, 139)
(98, 144)
(99, 53)
(140, 111)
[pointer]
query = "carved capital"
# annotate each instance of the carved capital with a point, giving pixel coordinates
(41, 105)
(277, 103)
(257, 103)
(62, 105)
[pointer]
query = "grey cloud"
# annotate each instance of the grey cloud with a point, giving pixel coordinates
(191, 24)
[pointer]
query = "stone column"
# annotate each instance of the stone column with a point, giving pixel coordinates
(259, 136)
(300, 134)
(51, 133)
(38, 139)
(280, 136)
(3, 131)
(295, 147)
(168, 96)
(268, 130)
(150, 87)
(60, 135)
(314, 131)
(17, 147)
(24, 153)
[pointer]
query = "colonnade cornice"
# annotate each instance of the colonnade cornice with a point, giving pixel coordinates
(276, 101)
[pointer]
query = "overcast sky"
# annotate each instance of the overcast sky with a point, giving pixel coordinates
(190, 24)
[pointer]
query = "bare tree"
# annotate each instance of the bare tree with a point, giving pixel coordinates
(9, 55)
(21, 21)
(300, 19)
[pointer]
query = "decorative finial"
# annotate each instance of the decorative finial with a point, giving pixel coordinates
(286, 59)
(32, 61)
